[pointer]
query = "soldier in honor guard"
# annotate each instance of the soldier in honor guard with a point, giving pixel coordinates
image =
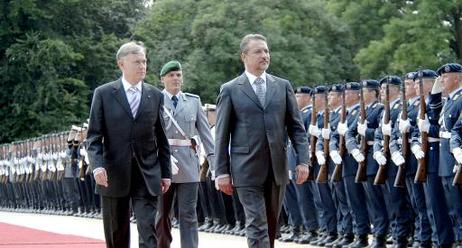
(374, 193)
(344, 218)
(354, 191)
(437, 211)
(451, 79)
(185, 121)
(298, 198)
(325, 206)
(388, 157)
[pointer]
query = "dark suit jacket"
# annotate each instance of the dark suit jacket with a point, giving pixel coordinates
(250, 137)
(115, 138)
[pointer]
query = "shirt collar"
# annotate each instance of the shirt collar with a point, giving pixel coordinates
(394, 102)
(353, 107)
(252, 77)
(169, 95)
(454, 92)
(127, 85)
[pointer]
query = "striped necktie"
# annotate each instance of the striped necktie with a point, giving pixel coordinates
(259, 90)
(134, 99)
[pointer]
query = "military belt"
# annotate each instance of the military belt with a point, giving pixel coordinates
(431, 139)
(371, 143)
(445, 135)
(179, 142)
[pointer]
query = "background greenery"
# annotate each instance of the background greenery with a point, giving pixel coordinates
(53, 53)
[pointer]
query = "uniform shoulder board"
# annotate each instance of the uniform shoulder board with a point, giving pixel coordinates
(305, 110)
(191, 95)
(398, 105)
(416, 103)
(354, 111)
(456, 96)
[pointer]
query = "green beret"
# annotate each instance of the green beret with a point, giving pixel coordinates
(170, 66)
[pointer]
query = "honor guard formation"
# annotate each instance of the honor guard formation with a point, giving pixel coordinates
(385, 161)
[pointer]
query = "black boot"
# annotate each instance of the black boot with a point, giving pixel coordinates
(379, 242)
(346, 240)
(293, 235)
(360, 241)
(308, 237)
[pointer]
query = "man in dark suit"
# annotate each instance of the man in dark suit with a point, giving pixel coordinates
(256, 114)
(128, 149)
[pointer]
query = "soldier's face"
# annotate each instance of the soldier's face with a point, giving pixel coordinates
(334, 99)
(257, 57)
(302, 99)
(370, 96)
(173, 81)
(451, 81)
(351, 97)
(133, 66)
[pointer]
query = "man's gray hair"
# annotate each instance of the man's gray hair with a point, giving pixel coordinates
(245, 41)
(132, 47)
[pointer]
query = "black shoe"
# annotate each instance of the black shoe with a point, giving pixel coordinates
(400, 243)
(239, 228)
(290, 237)
(334, 243)
(360, 241)
(458, 244)
(346, 240)
(390, 240)
(226, 228)
(328, 239)
(207, 224)
(318, 239)
(379, 242)
(426, 244)
(308, 237)
(284, 229)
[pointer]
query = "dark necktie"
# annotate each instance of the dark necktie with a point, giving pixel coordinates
(175, 101)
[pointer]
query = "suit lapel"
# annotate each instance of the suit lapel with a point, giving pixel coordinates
(245, 87)
(121, 97)
(270, 89)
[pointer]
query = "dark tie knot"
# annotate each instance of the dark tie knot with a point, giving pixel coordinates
(175, 100)
(259, 80)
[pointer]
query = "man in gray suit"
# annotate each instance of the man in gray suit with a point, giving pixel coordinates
(128, 149)
(256, 113)
(186, 125)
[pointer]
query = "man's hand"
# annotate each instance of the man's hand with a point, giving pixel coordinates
(437, 86)
(397, 158)
(362, 128)
(404, 126)
(342, 128)
(424, 125)
(386, 128)
(225, 185)
(314, 130)
(325, 132)
(100, 177)
(417, 150)
(302, 172)
(457, 152)
(335, 156)
(165, 184)
(380, 158)
(357, 155)
(320, 157)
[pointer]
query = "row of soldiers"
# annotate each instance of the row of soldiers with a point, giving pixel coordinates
(48, 174)
(385, 161)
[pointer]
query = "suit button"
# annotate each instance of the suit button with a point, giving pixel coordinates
(431, 148)
(176, 131)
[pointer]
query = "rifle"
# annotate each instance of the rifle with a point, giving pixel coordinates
(362, 166)
(313, 138)
(421, 174)
(337, 173)
(458, 176)
(322, 174)
(400, 175)
(84, 165)
(381, 175)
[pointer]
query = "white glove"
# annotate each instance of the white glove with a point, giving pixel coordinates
(362, 128)
(437, 86)
(335, 156)
(173, 162)
(325, 132)
(357, 155)
(386, 128)
(457, 152)
(424, 125)
(342, 128)
(397, 158)
(404, 125)
(456, 167)
(314, 130)
(320, 157)
(418, 153)
(378, 156)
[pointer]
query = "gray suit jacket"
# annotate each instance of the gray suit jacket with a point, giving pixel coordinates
(192, 120)
(251, 138)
